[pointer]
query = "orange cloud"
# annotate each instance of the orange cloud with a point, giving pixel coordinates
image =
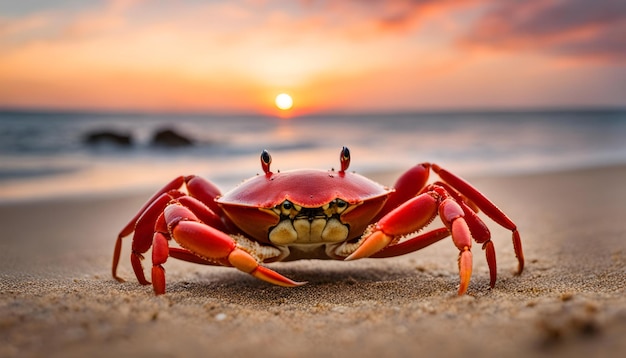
(331, 56)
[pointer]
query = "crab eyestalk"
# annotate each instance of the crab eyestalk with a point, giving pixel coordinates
(344, 158)
(266, 160)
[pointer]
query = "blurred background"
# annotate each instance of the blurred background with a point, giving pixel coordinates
(121, 96)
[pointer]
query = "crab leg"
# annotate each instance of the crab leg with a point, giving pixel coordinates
(480, 232)
(208, 243)
(406, 187)
(160, 253)
(452, 214)
(202, 194)
(413, 244)
(414, 215)
(176, 183)
(489, 208)
(143, 227)
(205, 191)
(202, 211)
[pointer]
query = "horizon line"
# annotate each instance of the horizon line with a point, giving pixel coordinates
(393, 112)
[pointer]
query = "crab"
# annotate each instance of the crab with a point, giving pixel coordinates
(310, 214)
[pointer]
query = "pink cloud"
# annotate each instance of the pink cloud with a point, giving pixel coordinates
(394, 15)
(573, 28)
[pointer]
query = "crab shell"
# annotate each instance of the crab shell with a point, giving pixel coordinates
(249, 204)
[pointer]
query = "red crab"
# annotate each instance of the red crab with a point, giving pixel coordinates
(309, 214)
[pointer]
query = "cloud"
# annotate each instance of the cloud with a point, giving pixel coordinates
(334, 53)
(389, 15)
(576, 29)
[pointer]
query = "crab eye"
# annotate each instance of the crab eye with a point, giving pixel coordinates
(340, 205)
(266, 160)
(287, 205)
(344, 158)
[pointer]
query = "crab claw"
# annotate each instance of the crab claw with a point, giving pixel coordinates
(214, 245)
(370, 245)
(245, 262)
(405, 219)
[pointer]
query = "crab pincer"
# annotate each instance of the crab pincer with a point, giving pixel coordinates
(209, 244)
(411, 217)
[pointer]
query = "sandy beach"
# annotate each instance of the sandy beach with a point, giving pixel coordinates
(58, 299)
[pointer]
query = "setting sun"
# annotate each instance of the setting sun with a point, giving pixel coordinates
(284, 101)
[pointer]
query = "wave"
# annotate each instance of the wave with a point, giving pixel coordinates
(45, 153)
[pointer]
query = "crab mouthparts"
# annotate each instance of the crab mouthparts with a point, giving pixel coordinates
(311, 214)
(300, 225)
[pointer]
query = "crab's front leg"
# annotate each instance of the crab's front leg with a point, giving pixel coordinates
(207, 243)
(412, 216)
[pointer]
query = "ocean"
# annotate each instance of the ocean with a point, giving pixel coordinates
(44, 154)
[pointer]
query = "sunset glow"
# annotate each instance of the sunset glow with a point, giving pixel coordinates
(346, 56)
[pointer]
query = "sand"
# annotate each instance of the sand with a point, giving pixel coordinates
(57, 298)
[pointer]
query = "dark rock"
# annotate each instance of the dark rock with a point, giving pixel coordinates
(108, 137)
(168, 137)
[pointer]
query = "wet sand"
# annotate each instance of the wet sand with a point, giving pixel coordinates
(57, 297)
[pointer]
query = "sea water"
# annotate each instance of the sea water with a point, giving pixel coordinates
(44, 154)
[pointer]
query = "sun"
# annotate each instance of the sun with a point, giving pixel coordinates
(284, 102)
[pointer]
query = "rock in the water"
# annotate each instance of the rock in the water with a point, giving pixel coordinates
(170, 138)
(108, 137)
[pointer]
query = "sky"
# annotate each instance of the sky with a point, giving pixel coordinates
(330, 56)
